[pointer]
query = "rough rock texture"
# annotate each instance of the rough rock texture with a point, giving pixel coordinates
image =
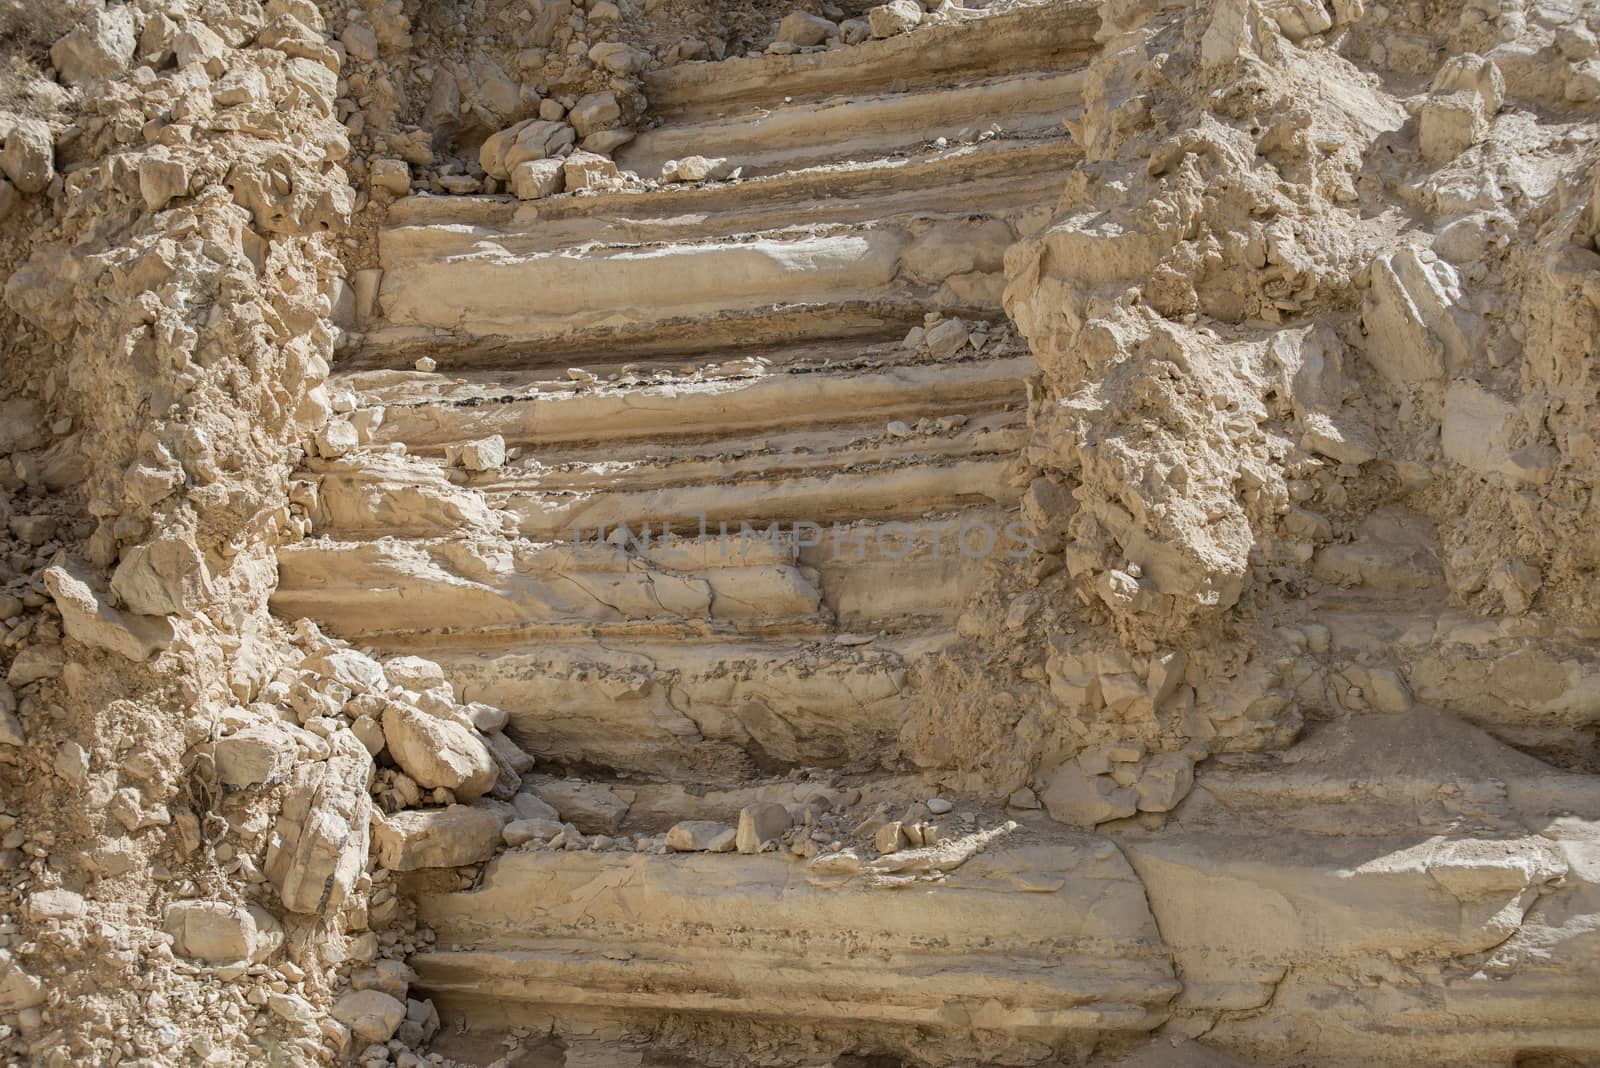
(795, 534)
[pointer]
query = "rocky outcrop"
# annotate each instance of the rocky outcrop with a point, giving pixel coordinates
(751, 534)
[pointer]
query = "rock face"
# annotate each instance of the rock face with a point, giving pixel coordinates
(1040, 533)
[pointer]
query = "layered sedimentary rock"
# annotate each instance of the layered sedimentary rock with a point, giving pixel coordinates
(610, 534)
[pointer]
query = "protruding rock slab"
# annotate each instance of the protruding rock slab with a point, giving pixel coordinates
(1049, 941)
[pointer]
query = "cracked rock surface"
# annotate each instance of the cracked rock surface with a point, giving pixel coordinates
(588, 532)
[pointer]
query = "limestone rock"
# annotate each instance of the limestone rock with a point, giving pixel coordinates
(165, 576)
(805, 29)
(618, 58)
(101, 47)
(393, 176)
(1164, 780)
(592, 807)
(413, 673)
(19, 988)
(29, 156)
(854, 31)
(439, 752)
(521, 831)
(589, 170)
(895, 17)
(760, 823)
(595, 112)
(371, 1015)
(695, 169)
(218, 932)
(354, 670)
(535, 179)
(485, 454)
(90, 618)
(1467, 92)
(261, 754)
(197, 43)
(1073, 796)
(337, 438)
(319, 845)
(439, 838)
(701, 836)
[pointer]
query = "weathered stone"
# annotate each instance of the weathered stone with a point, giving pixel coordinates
(198, 43)
(535, 179)
(162, 179)
(90, 619)
(484, 454)
(1073, 796)
(618, 58)
(701, 836)
(337, 438)
(28, 158)
(805, 29)
(413, 673)
(592, 807)
(219, 932)
(595, 112)
(761, 822)
(1164, 780)
(371, 1015)
(889, 837)
(695, 169)
(854, 31)
(392, 977)
(588, 170)
(530, 806)
(354, 670)
(441, 837)
(606, 142)
(165, 576)
(523, 831)
(896, 17)
(392, 176)
(19, 989)
(100, 47)
(319, 845)
(261, 754)
(439, 752)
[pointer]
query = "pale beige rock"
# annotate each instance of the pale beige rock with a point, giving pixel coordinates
(701, 836)
(759, 824)
(594, 112)
(1075, 797)
(521, 831)
(320, 836)
(219, 932)
(371, 1015)
(164, 576)
(393, 176)
(805, 29)
(439, 752)
(261, 754)
(589, 170)
(895, 17)
(90, 618)
(28, 157)
(439, 838)
(100, 47)
(536, 179)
